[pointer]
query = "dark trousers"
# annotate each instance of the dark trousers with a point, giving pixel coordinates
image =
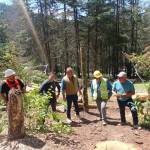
(129, 103)
(53, 103)
(70, 99)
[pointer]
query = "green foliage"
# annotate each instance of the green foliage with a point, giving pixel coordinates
(143, 113)
(3, 121)
(34, 76)
(9, 58)
(141, 65)
(38, 114)
(35, 106)
(60, 128)
(145, 122)
(139, 106)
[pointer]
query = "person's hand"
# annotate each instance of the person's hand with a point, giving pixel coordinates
(124, 95)
(118, 95)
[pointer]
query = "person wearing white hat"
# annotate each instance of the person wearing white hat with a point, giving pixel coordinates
(101, 90)
(123, 89)
(9, 83)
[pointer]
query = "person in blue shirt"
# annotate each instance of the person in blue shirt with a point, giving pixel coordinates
(123, 89)
(101, 90)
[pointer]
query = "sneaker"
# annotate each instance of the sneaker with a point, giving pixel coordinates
(122, 124)
(137, 127)
(79, 119)
(104, 123)
(69, 121)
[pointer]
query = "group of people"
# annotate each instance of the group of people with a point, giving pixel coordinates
(101, 91)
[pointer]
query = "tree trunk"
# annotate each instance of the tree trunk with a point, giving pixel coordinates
(65, 38)
(15, 115)
(76, 25)
(84, 77)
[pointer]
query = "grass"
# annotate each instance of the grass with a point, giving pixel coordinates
(142, 87)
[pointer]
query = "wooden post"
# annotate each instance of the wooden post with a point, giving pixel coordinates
(15, 115)
(84, 77)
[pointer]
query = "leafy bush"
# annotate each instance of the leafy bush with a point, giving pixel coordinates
(3, 121)
(37, 114)
(35, 106)
(141, 65)
(143, 113)
(34, 76)
(60, 128)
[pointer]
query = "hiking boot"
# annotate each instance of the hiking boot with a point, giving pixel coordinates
(137, 127)
(69, 121)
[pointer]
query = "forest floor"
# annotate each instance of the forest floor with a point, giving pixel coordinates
(86, 135)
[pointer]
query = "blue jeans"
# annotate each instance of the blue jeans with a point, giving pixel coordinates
(70, 99)
(129, 102)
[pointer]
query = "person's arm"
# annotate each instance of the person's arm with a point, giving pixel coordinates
(114, 91)
(3, 92)
(42, 87)
(63, 89)
(58, 88)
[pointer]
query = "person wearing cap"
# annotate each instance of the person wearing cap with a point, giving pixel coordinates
(9, 83)
(123, 89)
(70, 89)
(101, 91)
(49, 86)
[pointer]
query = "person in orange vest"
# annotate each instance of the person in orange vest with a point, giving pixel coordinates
(101, 90)
(9, 83)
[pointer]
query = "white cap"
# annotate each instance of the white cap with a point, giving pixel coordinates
(122, 74)
(9, 72)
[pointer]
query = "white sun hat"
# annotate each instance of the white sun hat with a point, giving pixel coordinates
(9, 72)
(122, 74)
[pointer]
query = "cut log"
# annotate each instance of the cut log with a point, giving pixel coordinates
(15, 115)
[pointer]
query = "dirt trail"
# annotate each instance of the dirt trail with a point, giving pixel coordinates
(85, 135)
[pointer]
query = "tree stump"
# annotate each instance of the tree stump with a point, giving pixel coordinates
(15, 115)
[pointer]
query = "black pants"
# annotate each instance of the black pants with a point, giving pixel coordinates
(53, 103)
(129, 103)
(70, 99)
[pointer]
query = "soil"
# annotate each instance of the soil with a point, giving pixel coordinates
(86, 135)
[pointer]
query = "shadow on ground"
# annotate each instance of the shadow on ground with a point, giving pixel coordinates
(62, 140)
(31, 141)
